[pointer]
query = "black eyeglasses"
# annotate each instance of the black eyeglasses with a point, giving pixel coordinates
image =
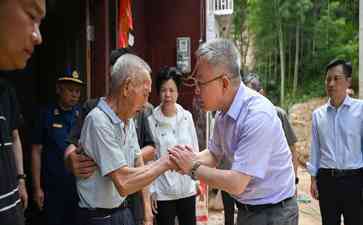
(199, 83)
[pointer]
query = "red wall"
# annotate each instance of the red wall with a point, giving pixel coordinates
(100, 59)
(157, 24)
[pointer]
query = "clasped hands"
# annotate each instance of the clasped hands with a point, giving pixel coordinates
(181, 158)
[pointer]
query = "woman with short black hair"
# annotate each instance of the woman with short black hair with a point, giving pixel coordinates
(173, 194)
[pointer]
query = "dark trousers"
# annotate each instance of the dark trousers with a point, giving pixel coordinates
(281, 214)
(13, 216)
(229, 206)
(60, 207)
(137, 207)
(340, 195)
(183, 208)
(122, 216)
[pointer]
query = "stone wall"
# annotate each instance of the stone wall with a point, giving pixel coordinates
(300, 118)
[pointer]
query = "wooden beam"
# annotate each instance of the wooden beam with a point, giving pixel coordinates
(101, 48)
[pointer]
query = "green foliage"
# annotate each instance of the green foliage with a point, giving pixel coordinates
(329, 29)
(312, 88)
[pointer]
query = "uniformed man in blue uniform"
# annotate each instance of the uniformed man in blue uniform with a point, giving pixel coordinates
(54, 187)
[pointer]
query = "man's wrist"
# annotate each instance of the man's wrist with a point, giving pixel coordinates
(296, 180)
(193, 170)
(22, 181)
(36, 188)
(149, 218)
(21, 176)
(313, 179)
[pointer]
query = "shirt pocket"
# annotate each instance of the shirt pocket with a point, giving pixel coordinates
(352, 126)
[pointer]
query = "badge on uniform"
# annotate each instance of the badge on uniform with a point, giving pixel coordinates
(56, 112)
(57, 125)
(71, 76)
(75, 74)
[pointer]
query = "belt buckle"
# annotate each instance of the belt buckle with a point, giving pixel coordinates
(339, 173)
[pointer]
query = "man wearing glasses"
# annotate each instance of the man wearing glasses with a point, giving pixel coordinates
(336, 160)
(249, 134)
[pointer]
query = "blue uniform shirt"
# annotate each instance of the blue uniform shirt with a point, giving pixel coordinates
(52, 131)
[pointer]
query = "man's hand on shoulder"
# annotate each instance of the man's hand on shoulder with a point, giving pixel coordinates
(79, 164)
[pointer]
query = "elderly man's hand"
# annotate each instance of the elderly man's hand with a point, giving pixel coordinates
(170, 164)
(80, 165)
(183, 156)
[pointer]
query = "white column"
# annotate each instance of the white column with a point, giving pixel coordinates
(211, 25)
(360, 48)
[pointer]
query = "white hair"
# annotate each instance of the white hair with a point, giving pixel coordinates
(221, 53)
(127, 66)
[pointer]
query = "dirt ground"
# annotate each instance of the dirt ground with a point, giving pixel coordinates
(308, 208)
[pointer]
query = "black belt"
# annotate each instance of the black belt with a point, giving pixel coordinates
(102, 212)
(340, 173)
(254, 208)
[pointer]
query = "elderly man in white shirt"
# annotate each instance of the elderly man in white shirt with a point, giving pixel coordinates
(109, 137)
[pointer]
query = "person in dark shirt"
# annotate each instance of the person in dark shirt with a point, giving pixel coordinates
(54, 187)
(19, 34)
(12, 178)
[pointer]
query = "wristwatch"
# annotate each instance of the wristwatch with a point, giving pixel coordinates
(296, 180)
(195, 166)
(21, 176)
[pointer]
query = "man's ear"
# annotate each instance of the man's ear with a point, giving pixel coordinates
(58, 89)
(349, 79)
(127, 86)
(226, 82)
(263, 92)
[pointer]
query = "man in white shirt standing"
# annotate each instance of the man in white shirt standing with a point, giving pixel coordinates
(336, 159)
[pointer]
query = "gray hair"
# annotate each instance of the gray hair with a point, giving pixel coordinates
(221, 52)
(127, 66)
(253, 80)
